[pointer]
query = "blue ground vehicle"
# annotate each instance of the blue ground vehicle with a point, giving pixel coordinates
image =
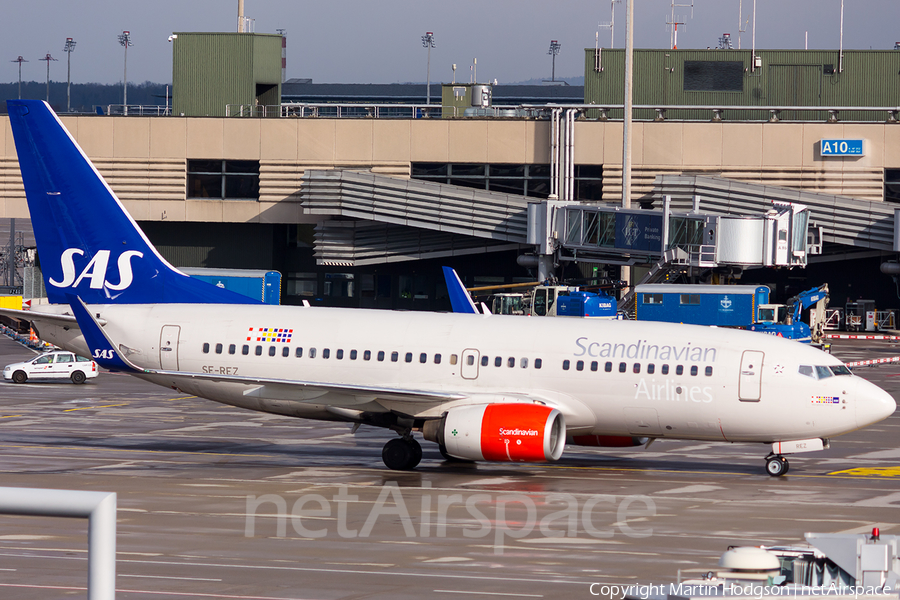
(720, 305)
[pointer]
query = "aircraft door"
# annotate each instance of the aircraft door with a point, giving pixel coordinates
(168, 347)
(750, 382)
(469, 367)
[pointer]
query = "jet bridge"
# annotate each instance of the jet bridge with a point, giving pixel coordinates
(612, 235)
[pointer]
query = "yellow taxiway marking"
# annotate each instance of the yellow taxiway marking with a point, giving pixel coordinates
(10, 416)
(181, 398)
(870, 471)
(90, 407)
(857, 473)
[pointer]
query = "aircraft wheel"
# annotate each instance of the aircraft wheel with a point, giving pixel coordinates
(78, 377)
(416, 453)
(399, 455)
(20, 377)
(776, 466)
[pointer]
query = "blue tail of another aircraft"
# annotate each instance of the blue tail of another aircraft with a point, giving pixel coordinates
(89, 246)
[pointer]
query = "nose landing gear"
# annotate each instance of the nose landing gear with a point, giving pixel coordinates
(777, 465)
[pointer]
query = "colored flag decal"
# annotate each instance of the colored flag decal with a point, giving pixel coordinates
(826, 400)
(270, 334)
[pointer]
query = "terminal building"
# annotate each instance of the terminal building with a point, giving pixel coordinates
(358, 196)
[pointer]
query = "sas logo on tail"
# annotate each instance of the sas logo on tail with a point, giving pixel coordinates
(95, 271)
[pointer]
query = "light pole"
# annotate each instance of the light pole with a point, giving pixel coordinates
(553, 51)
(19, 60)
(125, 40)
(70, 47)
(48, 58)
(428, 42)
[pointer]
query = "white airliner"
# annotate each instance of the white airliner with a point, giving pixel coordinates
(482, 387)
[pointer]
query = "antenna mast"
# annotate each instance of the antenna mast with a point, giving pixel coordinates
(673, 38)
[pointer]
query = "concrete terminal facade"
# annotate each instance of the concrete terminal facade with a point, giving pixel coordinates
(146, 162)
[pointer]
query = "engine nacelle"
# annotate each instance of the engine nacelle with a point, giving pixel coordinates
(500, 432)
(608, 441)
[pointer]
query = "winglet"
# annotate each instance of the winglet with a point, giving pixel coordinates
(103, 350)
(459, 297)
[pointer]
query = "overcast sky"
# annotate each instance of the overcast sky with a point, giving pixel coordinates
(356, 41)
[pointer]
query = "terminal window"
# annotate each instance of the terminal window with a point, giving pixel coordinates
(524, 180)
(713, 76)
(223, 179)
(892, 185)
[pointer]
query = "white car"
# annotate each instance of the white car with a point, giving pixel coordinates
(52, 365)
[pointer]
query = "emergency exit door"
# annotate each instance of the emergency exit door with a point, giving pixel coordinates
(168, 347)
(750, 382)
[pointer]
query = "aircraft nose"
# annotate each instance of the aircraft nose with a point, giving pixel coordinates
(874, 405)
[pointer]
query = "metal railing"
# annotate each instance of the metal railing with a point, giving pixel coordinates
(138, 110)
(602, 112)
(100, 510)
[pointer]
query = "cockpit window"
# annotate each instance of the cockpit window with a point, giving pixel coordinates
(823, 372)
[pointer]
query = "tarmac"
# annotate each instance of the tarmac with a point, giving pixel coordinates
(218, 502)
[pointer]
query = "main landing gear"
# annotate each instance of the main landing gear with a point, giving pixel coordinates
(777, 465)
(402, 454)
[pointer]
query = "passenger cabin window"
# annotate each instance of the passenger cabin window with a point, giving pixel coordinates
(565, 365)
(231, 348)
(510, 362)
(524, 363)
(339, 354)
(395, 356)
(298, 352)
(485, 360)
(693, 370)
(651, 368)
(537, 363)
(326, 352)
(272, 350)
(353, 355)
(623, 367)
(470, 360)
(312, 352)
(497, 361)
(637, 367)
(709, 371)
(679, 370)
(437, 359)
(408, 357)
(259, 350)
(381, 356)
(285, 352)
(665, 369)
(245, 349)
(423, 358)
(367, 355)
(608, 367)
(205, 347)
(219, 348)
(579, 366)
(453, 359)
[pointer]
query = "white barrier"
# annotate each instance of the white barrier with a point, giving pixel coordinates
(100, 510)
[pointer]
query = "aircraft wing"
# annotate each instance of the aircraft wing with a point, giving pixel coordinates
(59, 320)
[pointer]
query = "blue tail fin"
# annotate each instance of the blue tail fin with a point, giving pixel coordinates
(460, 300)
(88, 244)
